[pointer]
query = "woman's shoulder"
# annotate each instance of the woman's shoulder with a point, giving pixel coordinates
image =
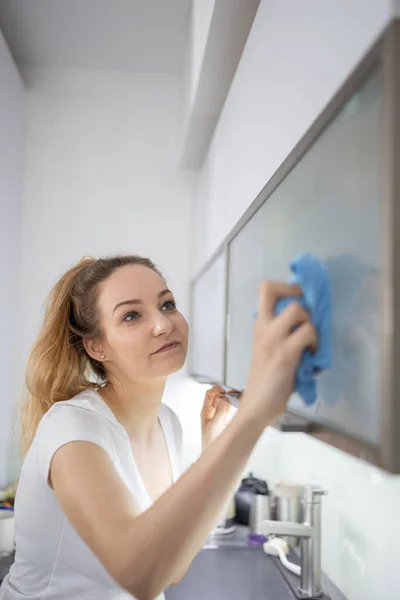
(82, 418)
(86, 401)
(85, 411)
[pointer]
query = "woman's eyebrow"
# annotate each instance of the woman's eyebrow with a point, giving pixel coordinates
(138, 301)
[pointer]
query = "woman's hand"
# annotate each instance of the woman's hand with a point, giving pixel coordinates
(279, 342)
(215, 415)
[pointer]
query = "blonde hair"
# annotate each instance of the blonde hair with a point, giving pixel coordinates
(58, 366)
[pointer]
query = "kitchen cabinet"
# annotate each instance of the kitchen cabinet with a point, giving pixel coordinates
(329, 204)
(246, 261)
(337, 196)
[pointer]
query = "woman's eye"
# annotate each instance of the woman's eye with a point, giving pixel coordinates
(170, 305)
(132, 316)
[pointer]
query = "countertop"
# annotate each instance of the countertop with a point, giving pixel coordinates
(233, 572)
(239, 572)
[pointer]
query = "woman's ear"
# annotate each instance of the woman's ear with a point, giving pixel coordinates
(94, 348)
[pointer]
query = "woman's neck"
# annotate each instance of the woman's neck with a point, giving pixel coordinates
(136, 405)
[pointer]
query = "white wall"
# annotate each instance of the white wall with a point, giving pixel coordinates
(102, 178)
(12, 138)
(296, 57)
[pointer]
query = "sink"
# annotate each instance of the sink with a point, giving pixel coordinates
(232, 573)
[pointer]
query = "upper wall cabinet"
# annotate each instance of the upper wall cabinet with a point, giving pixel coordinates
(337, 196)
(246, 271)
(329, 204)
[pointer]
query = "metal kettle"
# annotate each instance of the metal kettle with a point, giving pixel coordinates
(250, 487)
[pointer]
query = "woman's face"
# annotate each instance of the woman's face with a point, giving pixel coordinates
(144, 335)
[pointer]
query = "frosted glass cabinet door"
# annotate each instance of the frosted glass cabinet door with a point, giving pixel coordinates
(328, 205)
(207, 360)
(249, 264)
(245, 275)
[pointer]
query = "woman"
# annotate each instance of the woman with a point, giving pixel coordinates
(100, 512)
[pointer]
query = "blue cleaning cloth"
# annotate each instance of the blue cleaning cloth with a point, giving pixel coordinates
(313, 278)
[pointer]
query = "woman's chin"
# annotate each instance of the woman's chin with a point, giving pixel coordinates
(170, 367)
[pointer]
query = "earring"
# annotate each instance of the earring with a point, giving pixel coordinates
(102, 356)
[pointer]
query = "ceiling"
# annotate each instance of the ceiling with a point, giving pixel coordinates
(147, 36)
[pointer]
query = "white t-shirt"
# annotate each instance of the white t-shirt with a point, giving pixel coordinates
(52, 562)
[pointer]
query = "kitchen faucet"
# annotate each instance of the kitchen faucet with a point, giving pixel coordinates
(309, 533)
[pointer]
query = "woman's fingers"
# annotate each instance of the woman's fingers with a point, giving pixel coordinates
(215, 402)
(212, 401)
(295, 324)
(292, 317)
(269, 294)
(208, 409)
(302, 338)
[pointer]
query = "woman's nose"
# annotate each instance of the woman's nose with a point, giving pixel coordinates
(161, 324)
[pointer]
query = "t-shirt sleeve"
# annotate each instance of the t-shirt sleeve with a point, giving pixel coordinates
(66, 424)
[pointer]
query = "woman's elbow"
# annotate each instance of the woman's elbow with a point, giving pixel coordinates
(139, 589)
(147, 590)
(144, 595)
(143, 576)
(141, 586)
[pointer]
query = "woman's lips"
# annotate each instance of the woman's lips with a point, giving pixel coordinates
(167, 347)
